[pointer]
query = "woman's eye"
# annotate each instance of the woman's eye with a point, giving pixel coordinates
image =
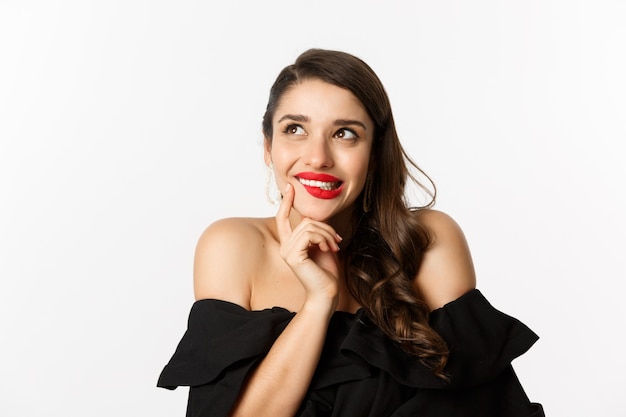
(294, 130)
(346, 134)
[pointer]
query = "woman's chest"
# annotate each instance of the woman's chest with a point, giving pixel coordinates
(275, 285)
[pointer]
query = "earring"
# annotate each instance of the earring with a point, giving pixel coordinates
(367, 194)
(272, 193)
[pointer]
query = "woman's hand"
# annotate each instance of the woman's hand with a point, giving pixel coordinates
(310, 250)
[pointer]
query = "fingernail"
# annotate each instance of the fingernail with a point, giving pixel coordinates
(338, 237)
(288, 187)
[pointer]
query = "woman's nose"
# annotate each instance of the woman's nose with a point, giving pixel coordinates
(319, 152)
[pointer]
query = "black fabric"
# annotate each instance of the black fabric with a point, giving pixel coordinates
(361, 372)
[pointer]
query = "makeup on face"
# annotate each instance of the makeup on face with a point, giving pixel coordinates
(321, 144)
(320, 185)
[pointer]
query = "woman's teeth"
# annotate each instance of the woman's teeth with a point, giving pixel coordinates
(327, 186)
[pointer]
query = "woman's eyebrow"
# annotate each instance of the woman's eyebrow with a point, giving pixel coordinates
(305, 119)
(343, 122)
(295, 118)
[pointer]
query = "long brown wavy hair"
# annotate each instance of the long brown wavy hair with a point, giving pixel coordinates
(389, 240)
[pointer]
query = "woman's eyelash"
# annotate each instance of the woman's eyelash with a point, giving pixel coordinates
(347, 132)
(292, 129)
(343, 133)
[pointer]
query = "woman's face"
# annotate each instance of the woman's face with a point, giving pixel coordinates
(321, 144)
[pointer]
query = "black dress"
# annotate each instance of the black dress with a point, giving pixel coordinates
(361, 372)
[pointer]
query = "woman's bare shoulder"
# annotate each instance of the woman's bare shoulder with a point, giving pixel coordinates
(237, 228)
(227, 254)
(447, 269)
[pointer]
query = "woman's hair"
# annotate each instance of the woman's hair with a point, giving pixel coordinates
(389, 240)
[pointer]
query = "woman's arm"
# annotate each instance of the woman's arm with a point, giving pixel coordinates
(222, 270)
(447, 270)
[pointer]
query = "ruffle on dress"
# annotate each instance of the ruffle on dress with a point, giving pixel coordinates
(361, 372)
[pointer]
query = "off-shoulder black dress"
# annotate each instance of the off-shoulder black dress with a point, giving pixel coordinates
(361, 372)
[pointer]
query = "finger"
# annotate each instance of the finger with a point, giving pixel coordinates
(332, 237)
(327, 261)
(283, 225)
(319, 234)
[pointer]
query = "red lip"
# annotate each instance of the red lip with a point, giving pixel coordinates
(318, 192)
(317, 177)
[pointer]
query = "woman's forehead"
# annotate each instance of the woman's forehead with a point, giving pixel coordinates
(317, 99)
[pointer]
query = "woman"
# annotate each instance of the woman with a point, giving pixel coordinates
(347, 302)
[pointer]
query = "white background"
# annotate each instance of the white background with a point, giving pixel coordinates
(126, 127)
